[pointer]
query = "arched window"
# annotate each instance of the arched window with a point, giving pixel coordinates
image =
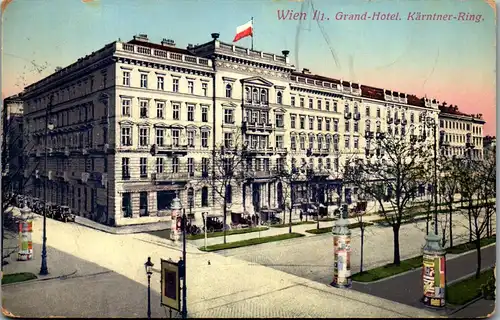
(263, 96)
(248, 96)
(204, 197)
(255, 95)
(367, 125)
(229, 194)
(190, 197)
(229, 90)
(279, 98)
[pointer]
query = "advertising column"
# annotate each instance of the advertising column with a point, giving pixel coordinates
(341, 254)
(434, 273)
(25, 234)
(175, 227)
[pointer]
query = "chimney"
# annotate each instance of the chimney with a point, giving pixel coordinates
(168, 42)
(285, 53)
(141, 37)
(215, 36)
(306, 71)
(190, 46)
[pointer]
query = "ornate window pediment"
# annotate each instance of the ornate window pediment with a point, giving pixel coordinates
(279, 110)
(259, 81)
(177, 126)
(161, 125)
(229, 105)
(126, 123)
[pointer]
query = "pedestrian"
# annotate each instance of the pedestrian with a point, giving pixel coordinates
(300, 215)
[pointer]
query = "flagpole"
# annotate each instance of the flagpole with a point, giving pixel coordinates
(252, 33)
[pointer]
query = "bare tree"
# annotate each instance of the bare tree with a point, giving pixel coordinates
(287, 177)
(392, 178)
(228, 165)
(478, 185)
(450, 184)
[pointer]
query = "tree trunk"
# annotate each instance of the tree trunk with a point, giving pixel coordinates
(470, 222)
(478, 263)
(224, 220)
(397, 257)
(451, 225)
(290, 221)
(362, 248)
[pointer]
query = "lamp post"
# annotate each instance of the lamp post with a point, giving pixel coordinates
(149, 271)
(175, 227)
(49, 126)
(177, 207)
(431, 123)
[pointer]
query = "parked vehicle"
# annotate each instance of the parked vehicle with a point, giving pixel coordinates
(51, 209)
(64, 214)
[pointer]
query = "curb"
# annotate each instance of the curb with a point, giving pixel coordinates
(62, 277)
(176, 248)
(417, 269)
(465, 305)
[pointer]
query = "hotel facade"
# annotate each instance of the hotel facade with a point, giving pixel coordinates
(137, 123)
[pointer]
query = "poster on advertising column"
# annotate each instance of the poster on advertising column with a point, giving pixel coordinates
(433, 276)
(342, 261)
(25, 242)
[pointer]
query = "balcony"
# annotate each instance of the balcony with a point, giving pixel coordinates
(390, 120)
(469, 145)
(347, 115)
(258, 149)
(259, 174)
(413, 138)
(369, 134)
(404, 122)
(320, 152)
(281, 150)
(171, 149)
(67, 151)
(397, 121)
(256, 103)
(50, 175)
(380, 135)
(357, 116)
(85, 177)
(257, 126)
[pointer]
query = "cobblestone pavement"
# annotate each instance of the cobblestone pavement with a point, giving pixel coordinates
(227, 287)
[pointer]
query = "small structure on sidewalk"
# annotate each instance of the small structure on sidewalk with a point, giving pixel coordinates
(25, 233)
(342, 251)
(433, 273)
(175, 229)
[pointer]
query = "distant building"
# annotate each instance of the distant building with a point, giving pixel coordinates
(12, 144)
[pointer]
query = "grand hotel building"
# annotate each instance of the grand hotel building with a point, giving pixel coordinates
(135, 123)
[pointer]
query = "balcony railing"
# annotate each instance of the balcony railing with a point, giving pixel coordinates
(347, 115)
(390, 120)
(170, 176)
(397, 121)
(357, 116)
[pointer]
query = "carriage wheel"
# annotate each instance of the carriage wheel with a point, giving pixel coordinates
(65, 219)
(211, 229)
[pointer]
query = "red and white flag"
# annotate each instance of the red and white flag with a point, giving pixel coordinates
(244, 31)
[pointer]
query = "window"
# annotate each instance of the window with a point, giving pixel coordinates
(279, 98)
(327, 105)
(279, 120)
(355, 108)
(143, 136)
(356, 126)
(126, 204)
(175, 85)
(229, 91)
(160, 137)
(144, 80)
(335, 106)
(327, 142)
(292, 101)
(319, 104)
(126, 136)
(159, 165)
(302, 123)
(367, 126)
(175, 137)
(125, 168)
(204, 113)
(311, 123)
(143, 167)
(378, 112)
(320, 143)
(190, 166)
(160, 110)
(160, 83)
(204, 166)
(347, 142)
(204, 139)
(311, 142)
(356, 142)
(263, 96)
(176, 111)
(126, 106)
(311, 103)
(190, 87)
(143, 108)
(126, 78)
(175, 165)
(279, 142)
(327, 124)
(204, 197)
(347, 126)
(204, 89)
(302, 102)
(228, 140)
(320, 124)
(293, 143)
(346, 108)
(302, 143)
(229, 116)
(292, 121)
(367, 111)
(190, 138)
(412, 117)
(190, 112)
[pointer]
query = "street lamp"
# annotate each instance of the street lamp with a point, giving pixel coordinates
(430, 122)
(176, 207)
(49, 126)
(149, 271)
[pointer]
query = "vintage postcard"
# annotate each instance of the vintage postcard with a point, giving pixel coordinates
(248, 159)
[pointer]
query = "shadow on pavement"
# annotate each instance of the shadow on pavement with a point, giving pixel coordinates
(99, 292)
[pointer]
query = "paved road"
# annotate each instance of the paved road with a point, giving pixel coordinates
(480, 308)
(407, 288)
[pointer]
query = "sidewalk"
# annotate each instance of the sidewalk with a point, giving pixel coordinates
(407, 287)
